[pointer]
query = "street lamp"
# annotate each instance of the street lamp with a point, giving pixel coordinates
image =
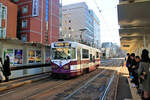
(82, 30)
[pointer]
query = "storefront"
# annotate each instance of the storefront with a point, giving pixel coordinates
(24, 54)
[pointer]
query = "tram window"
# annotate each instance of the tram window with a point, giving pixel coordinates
(94, 59)
(97, 55)
(85, 53)
(73, 53)
(91, 59)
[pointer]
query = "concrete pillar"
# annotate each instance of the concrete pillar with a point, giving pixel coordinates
(144, 40)
(43, 57)
(25, 58)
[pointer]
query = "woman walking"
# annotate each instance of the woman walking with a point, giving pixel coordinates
(144, 73)
(6, 68)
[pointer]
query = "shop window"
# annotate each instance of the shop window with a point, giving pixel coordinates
(25, 9)
(15, 56)
(24, 23)
(34, 56)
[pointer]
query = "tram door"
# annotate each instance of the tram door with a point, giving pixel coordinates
(79, 57)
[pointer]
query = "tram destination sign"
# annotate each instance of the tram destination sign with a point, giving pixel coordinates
(65, 44)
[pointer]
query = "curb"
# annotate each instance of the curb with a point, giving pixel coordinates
(135, 96)
(14, 85)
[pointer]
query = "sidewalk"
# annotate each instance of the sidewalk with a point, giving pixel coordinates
(22, 81)
(125, 89)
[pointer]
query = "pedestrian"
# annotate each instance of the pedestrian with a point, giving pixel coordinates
(135, 71)
(144, 73)
(2, 77)
(6, 68)
(126, 58)
(128, 62)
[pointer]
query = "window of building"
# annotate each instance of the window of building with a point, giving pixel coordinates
(69, 21)
(24, 37)
(69, 28)
(25, 9)
(24, 24)
(85, 53)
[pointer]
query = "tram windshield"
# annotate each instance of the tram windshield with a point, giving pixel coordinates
(63, 53)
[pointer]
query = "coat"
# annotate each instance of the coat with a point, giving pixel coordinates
(6, 68)
(145, 67)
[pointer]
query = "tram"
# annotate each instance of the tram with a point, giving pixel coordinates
(73, 59)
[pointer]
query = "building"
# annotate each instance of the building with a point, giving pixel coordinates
(111, 50)
(78, 23)
(8, 19)
(38, 20)
(97, 40)
(134, 21)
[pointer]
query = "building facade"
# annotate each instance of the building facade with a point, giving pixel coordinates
(97, 40)
(78, 23)
(8, 19)
(38, 20)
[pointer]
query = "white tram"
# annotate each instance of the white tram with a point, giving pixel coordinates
(72, 58)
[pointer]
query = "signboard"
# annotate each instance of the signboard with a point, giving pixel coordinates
(3, 20)
(0, 14)
(62, 44)
(46, 10)
(18, 57)
(35, 8)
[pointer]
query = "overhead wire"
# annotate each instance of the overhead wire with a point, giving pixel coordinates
(109, 28)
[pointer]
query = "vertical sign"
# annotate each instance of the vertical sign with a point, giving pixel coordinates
(0, 14)
(35, 8)
(46, 10)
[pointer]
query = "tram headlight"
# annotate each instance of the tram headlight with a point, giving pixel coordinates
(54, 67)
(66, 67)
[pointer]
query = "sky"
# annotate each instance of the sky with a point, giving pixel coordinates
(107, 15)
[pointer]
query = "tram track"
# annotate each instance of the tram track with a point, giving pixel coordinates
(59, 89)
(49, 94)
(102, 95)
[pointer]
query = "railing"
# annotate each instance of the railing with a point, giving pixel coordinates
(21, 67)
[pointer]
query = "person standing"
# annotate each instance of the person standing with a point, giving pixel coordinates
(128, 62)
(2, 77)
(6, 68)
(144, 71)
